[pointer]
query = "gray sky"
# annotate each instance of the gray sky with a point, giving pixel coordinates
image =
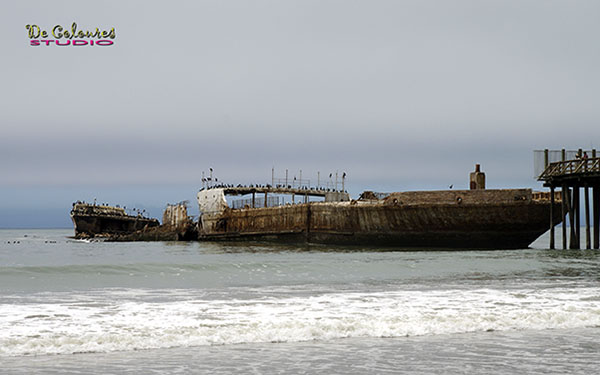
(399, 94)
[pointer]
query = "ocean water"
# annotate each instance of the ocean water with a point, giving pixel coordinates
(69, 306)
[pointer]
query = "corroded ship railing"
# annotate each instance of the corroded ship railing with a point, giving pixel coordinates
(545, 196)
(571, 167)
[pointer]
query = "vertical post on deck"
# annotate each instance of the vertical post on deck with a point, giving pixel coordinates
(596, 204)
(551, 217)
(587, 217)
(563, 201)
(253, 199)
(265, 199)
(545, 159)
(336, 180)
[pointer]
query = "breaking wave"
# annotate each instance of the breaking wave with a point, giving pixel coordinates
(105, 322)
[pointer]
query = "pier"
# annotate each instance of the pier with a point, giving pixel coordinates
(575, 170)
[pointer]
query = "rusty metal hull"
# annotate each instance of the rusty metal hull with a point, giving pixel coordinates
(91, 221)
(89, 226)
(410, 221)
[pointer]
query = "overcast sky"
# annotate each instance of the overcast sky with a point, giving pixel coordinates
(398, 94)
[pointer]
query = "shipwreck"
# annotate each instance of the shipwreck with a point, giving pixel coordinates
(92, 220)
(475, 218)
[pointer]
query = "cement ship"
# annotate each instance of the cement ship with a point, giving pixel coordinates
(478, 218)
(91, 220)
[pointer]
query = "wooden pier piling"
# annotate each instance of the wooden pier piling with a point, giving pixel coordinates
(577, 213)
(572, 233)
(596, 208)
(563, 192)
(596, 201)
(551, 214)
(587, 216)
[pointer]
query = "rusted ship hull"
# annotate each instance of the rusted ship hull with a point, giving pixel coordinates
(91, 221)
(486, 219)
(94, 225)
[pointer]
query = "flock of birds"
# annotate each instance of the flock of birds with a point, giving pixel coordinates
(17, 242)
(206, 184)
(132, 210)
(268, 186)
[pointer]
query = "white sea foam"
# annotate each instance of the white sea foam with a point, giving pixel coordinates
(101, 323)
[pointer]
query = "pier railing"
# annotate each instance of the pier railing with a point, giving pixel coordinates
(571, 167)
(543, 158)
